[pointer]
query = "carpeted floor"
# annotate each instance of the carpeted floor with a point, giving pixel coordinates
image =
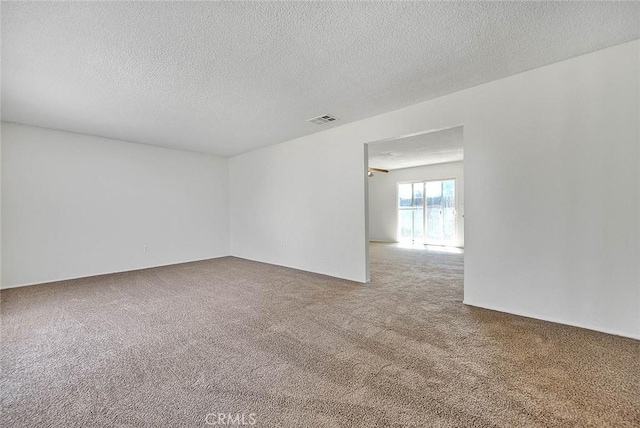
(174, 346)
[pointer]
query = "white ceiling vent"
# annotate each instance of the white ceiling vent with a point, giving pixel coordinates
(321, 120)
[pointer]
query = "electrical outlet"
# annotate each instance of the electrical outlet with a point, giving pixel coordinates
(284, 245)
(145, 248)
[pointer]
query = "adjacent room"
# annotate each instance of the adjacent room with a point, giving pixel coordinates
(416, 210)
(320, 214)
(416, 189)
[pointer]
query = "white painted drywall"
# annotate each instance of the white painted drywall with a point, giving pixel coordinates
(541, 149)
(75, 205)
(383, 192)
(291, 201)
(0, 201)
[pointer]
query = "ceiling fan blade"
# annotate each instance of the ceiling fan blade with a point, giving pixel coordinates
(385, 171)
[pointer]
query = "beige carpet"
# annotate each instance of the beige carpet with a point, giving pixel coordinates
(168, 346)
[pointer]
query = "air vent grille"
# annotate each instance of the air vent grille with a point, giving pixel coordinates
(321, 120)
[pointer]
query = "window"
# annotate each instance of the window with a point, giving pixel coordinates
(437, 200)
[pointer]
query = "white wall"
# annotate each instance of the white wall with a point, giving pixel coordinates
(383, 193)
(541, 148)
(291, 201)
(75, 205)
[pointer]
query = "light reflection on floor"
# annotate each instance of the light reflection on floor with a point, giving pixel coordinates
(437, 248)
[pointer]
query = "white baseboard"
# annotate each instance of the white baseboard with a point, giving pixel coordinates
(635, 336)
(300, 269)
(109, 273)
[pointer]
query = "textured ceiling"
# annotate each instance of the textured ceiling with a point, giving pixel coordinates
(424, 149)
(227, 77)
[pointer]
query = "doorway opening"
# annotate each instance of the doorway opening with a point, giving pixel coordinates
(415, 207)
